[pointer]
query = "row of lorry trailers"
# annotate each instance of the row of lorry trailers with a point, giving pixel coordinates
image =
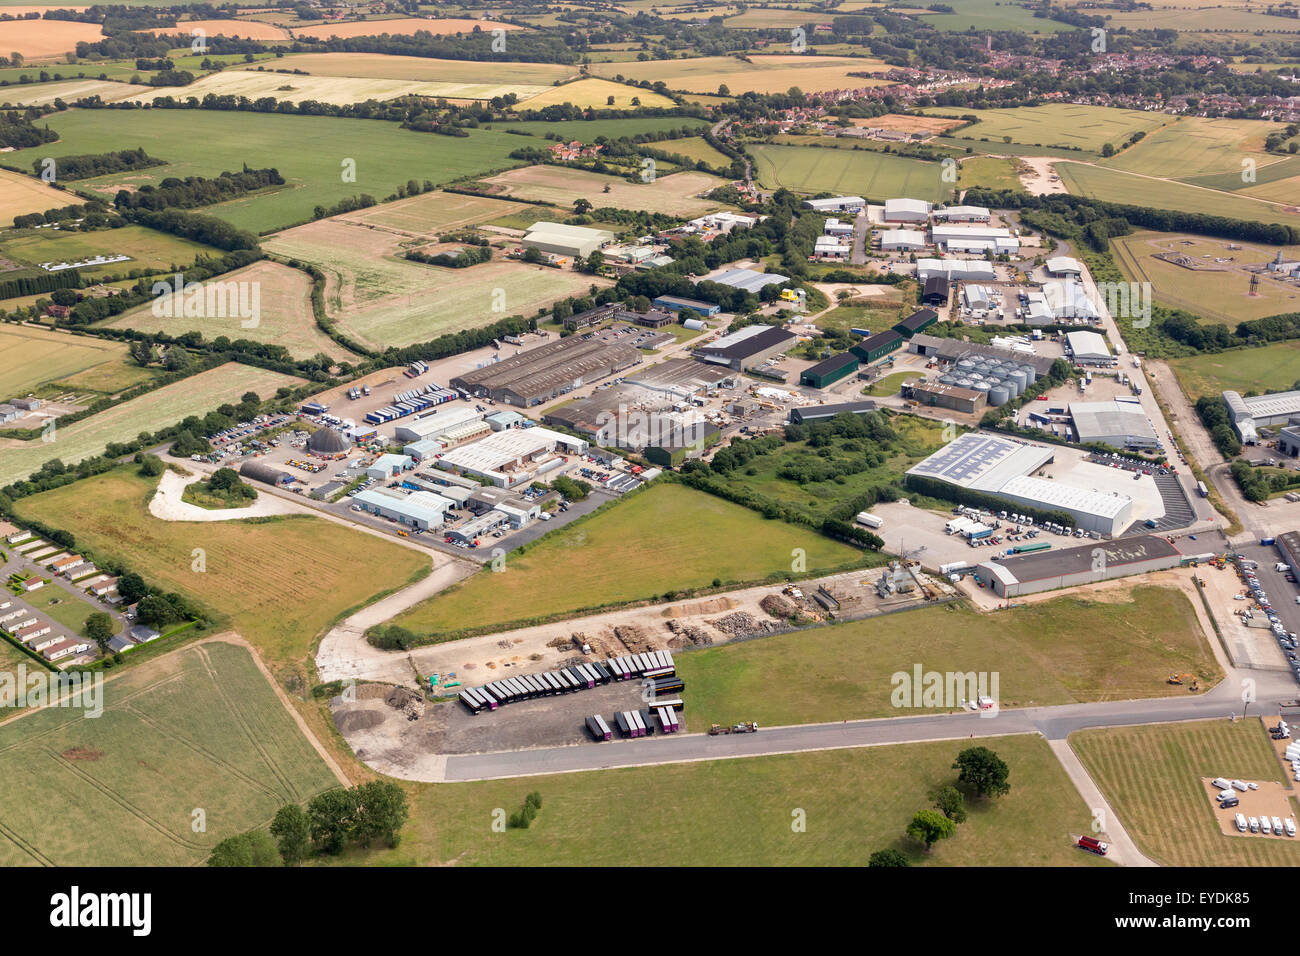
(638, 723)
(656, 667)
(410, 402)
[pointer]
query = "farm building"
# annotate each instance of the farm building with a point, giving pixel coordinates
(503, 457)
(547, 371)
(436, 425)
(328, 443)
(8, 413)
(389, 466)
(417, 509)
(1121, 423)
(1250, 414)
(746, 348)
(836, 204)
(963, 214)
(808, 414)
(261, 471)
(577, 242)
(748, 280)
(918, 320)
(829, 371)
(902, 240)
(956, 270)
(907, 210)
(673, 303)
(1064, 266)
(935, 290)
(878, 346)
(585, 320)
(1088, 348)
(1048, 570)
(953, 397)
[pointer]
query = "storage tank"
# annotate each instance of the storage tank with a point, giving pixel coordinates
(998, 396)
(1012, 386)
(1021, 380)
(1031, 375)
(947, 379)
(963, 382)
(980, 386)
(965, 365)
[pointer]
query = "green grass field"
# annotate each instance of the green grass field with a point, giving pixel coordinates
(1151, 777)
(195, 395)
(874, 175)
(889, 385)
(278, 582)
(36, 357)
(992, 15)
(149, 249)
(64, 609)
(200, 142)
(696, 148)
(1131, 647)
(1193, 146)
(587, 130)
(987, 172)
(1271, 368)
(683, 539)
(198, 730)
(1086, 128)
(739, 813)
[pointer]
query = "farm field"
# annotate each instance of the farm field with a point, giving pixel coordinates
(1152, 777)
(991, 15)
(39, 94)
(195, 395)
(693, 808)
(1281, 190)
(1116, 186)
(149, 249)
(1136, 639)
(425, 69)
(696, 148)
(1193, 146)
(1087, 128)
(247, 29)
(293, 575)
(766, 73)
(675, 195)
(198, 728)
(1270, 368)
(677, 530)
(384, 300)
(37, 38)
(988, 172)
(1206, 17)
(34, 357)
(908, 123)
(401, 26)
(1219, 296)
(196, 142)
(588, 130)
(429, 214)
(286, 318)
(593, 92)
(875, 175)
(21, 194)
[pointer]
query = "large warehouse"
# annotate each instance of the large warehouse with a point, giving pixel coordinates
(1121, 423)
(1248, 415)
(955, 350)
(1088, 348)
(1048, 570)
(956, 270)
(970, 238)
(752, 345)
(748, 280)
(436, 425)
(504, 457)
(836, 204)
(547, 371)
(1004, 468)
(558, 239)
(829, 371)
(418, 509)
(907, 210)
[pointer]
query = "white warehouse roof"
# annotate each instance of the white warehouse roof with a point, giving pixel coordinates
(982, 462)
(748, 279)
(903, 237)
(1085, 346)
(1064, 265)
(906, 209)
(1056, 495)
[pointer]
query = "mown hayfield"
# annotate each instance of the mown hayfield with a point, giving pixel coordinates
(201, 142)
(247, 29)
(20, 195)
(877, 176)
(195, 395)
(766, 73)
(1271, 368)
(429, 214)
(34, 357)
(676, 194)
(383, 299)
(1151, 777)
(1193, 146)
(1087, 128)
(696, 148)
(39, 94)
(401, 26)
(595, 93)
(1132, 646)
(1282, 191)
(201, 728)
(278, 581)
(426, 69)
(989, 172)
(1117, 186)
(36, 38)
(693, 808)
(286, 318)
(664, 538)
(149, 249)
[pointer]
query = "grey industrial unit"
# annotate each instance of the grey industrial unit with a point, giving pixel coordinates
(1099, 561)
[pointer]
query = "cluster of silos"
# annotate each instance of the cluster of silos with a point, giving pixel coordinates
(1000, 380)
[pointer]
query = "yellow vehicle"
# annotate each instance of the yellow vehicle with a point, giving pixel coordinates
(790, 295)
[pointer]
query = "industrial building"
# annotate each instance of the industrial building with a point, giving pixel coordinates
(1288, 544)
(829, 371)
(547, 371)
(577, 242)
(918, 320)
(952, 397)
(907, 210)
(421, 510)
(585, 320)
(810, 414)
(1088, 348)
(935, 290)
(438, 424)
(1121, 423)
(976, 297)
(1064, 266)
(878, 346)
(963, 214)
(680, 378)
(1288, 441)
(1005, 469)
(751, 346)
(902, 240)
(328, 443)
(261, 471)
(654, 319)
(504, 458)
(1069, 300)
(1047, 570)
(673, 453)
(835, 227)
(1248, 415)
(748, 280)
(831, 247)
(836, 204)
(979, 239)
(957, 351)
(389, 466)
(956, 270)
(595, 417)
(674, 303)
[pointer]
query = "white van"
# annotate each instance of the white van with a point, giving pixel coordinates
(1265, 826)
(1277, 825)
(1254, 824)
(1225, 794)
(1239, 785)
(1241, 822)
(1290, 826)
(1222, 783)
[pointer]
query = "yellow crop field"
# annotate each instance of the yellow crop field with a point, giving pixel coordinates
(427, 215)
(593, 92)
(36, 38)
(402, 26)
(34, 357)
(247, 29)
(39, 94)
(385, 67)
(20, 195)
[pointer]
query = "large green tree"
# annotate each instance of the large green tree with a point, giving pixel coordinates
(984, 770)
(930, 826)
(292, 831)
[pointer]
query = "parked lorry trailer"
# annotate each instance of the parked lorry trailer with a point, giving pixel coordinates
(869, 520)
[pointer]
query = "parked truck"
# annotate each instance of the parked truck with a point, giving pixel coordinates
(870, 520)
(1092, 845)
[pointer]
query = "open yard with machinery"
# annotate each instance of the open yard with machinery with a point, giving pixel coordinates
(860, 172)
(277, 581)
(675, 195)
(662, 539)
(1134, 641)
(199, 728)
(285, 315)
(195, 395)
(202, 142)
(1270, 368)
(384, 299)
(1152, 777)
(1086, 128)
(35, 357)
(694, 806)
(759, 73)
